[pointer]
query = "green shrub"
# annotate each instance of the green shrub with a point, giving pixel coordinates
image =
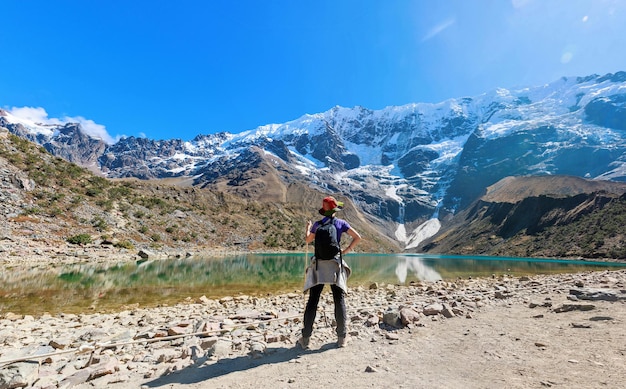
(80, 239)
(99, 223)
(124, 244)
(74, 171)
(55, 211)
(31, 211)
(119, 192)
(99, 182)
(152, 202)
(107, 205)
(93, 192)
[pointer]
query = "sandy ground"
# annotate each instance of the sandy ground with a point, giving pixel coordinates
(517, 344)
(503, 347)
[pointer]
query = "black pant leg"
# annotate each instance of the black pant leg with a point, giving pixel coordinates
(311, 309)
(340, 310)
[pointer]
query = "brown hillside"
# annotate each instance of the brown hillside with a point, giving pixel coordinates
(551, 216)
(515, 189)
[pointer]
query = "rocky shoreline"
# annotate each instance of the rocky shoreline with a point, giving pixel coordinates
(143, 347)
(25, 252)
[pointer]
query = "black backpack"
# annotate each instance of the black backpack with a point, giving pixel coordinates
(326, 242)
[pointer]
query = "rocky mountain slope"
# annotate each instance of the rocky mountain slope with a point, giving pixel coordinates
(547, 216)
(408, 170)
(48, 205)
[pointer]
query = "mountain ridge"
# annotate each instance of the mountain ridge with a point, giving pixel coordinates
(45, 201)
(401, 166)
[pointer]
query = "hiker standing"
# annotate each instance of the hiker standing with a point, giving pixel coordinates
(328, 267)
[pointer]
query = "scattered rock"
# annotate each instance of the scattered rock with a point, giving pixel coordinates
(392, 336)
(257, 350)
(103, 368)
(574, 307)
(546, 304)
(409, 315)
(221, 348)
(392, 319)
(447, 312)
(146, 254)
(12, 316)
(60, 343)
(177, 330)
(372, 321)
(598, 294)
(600, 318)
(433, 309)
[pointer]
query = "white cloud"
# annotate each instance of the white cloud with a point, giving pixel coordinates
(567, 57)
(37, 116)
(438, 29)
(520, 3)
(585, 18)
(34, 115)
(91, 128)
(568, 54)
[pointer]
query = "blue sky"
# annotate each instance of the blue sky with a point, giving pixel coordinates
(177, 69)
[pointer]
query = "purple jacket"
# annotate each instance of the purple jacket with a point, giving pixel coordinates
(340, 224)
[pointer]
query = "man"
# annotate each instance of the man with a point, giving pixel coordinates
(317, 277)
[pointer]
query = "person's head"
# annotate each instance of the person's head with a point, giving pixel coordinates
(330, 205)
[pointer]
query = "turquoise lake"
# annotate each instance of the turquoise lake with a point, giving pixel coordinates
(87, 288)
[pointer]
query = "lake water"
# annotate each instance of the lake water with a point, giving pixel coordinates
(86, 288)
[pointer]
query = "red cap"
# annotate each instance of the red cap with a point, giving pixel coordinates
(330, 205)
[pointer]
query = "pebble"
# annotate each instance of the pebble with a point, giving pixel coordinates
(370, 369)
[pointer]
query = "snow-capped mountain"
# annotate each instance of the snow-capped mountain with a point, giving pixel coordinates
(406, 167)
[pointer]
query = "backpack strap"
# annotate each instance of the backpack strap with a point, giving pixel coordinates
(329, 220)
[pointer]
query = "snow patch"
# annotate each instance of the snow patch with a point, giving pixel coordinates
(400, 233)
(392, 190)
(422, 232)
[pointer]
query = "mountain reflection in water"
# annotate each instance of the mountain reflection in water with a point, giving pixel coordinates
(416, 266)
(89, 288)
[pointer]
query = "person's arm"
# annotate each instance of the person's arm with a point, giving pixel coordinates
(310, 236)
(356, 237)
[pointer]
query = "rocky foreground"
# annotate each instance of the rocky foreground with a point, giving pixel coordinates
(144, 347)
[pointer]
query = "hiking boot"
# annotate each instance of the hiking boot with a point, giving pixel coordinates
(304, 342)
(342, 341)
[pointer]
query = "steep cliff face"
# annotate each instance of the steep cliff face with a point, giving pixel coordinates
(75, 146)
